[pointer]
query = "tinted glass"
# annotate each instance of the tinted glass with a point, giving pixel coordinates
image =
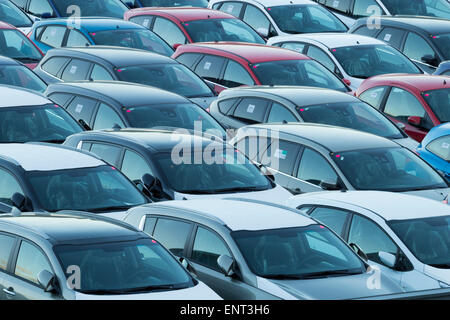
(107, 118)
(392, 36)
(21, 76)
(53, 36)
(134, 166)
(172, 234)
(225, 105)
(416, 48)
(322, 57)
(252, 110)
(149, 225)
(285, 154)
(442, 41)
(76, 70)
(107, 152)
(279, 113)
(169, 31)
(366, 31)
(39, 7)
(296, 46)
(334, 218)
(9, 13)
(8, 186)
(76, 39)
(208, 247)
(233, 8)
(89, 8)
(188, 59)
(54, 65)
(60, 98)
(6, 244)
(374, 96)
(14, 44)
(145, 21)
(30, 262)
(365, 8)
(255, 18)
(82, 108)
(210, 67)
(401, 104)
(439, 102)
(433, 8)
(440, 147)
(315, 169)
(100, 73)
(340, 5)
(235, 75)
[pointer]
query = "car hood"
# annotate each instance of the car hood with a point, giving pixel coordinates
(435, 194)
(408, 143)
(438, 274)
(203, 102)
(198, 292)
(332, 288)
(276, 195)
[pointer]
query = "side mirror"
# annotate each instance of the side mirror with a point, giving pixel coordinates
(46, 280)
(263, 32)
(359, 251)
(265, 171)
(84, 125)
(330, 186)
(387, 259)
(19, 201)
(401, 125)
(153, 185)
(46, 15)
(187, 265)
(347, 82)
(430, 59)
(226, 264)
(415, 121)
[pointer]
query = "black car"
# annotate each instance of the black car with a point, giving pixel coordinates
(424, 40)
(114, 104)
(124, 64)
(14, 73)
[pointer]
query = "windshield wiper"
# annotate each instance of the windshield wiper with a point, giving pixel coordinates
(26, 59)
(330, 273)
(112, 208)
(283, 276)
(58, 141)
(441, 265)
(101, 292)
(150, 288)
(229, 190)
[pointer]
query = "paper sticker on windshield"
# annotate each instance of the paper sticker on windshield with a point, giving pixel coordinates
(387, 37)
(251, 108)
(207, 65)
(445, 145)
(374, 94)
(146, 23)
(336, 3)
(78, 108)
(280, 154)
(73, 70)
(230, 8)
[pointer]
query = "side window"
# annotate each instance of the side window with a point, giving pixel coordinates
(60, 98)
(366, 31)
(401, 104)
(295, 46)
(322, 57)
(252, 110)
(208, 247)
(188, 59)
(210, 67)
(100, 73)
(283, 156)
(8, 186)
(106, 118)
(145, 21)
(169, 31)
(107, 152)
(339, 5)
(256, 19)
(417, 48)
(20, 3)
(365, 8)
(392, 36)
(134, 166)
(76, 39)
(315, 169)
(440, 147)
(370, 238)
(6, 245)
(279, 113)
(374, 96)
(235, 76)
(54, 65)
(149, 225)
(172, 234)
(225, 105)
(39, 7)
(82, 108)
(254, 147)
(53, 36)
(76, 70)
(233, 8)
(334, 218)
(30, 262)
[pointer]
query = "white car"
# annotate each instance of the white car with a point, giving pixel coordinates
(352, 57)
(407, 237)
(281, 17)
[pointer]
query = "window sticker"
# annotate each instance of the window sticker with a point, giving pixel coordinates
(387, 37)
(207, 66)
(251, 108)
(73, 70)
(79, 108)
(336, 3)
(280, 154)
(374, 94)
(53, 32)
(445, 145)
(230, 8)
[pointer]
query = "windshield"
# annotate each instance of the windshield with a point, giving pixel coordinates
(439, 102)
(172, 77)
(123, 267)
(132, 38)
(21, 76)
(427, 238)
(211, 171)
(305, 19)
(442, 41)
(354, 115)
(91, 8)
(297, 73)
(221, 30)
(177, 115)
(49, 123)
(433, 8)
(14, 44)
(11, 14)
(387, 169)
(98, 189)
(297, 253)
(174, 3)
(370, 60)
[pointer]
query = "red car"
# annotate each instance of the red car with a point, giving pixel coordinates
(415, 102)
(187, 25)
(14, 44)
(228, 64)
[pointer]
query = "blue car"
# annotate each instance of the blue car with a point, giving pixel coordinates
(435, 149)
(443, 69)
(86, 31)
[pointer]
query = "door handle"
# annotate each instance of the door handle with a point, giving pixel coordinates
(9, 291)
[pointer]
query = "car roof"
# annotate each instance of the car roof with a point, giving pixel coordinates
(117, 56)
(17, 97)
(92, 24)
(422, 82)
(46, 157)
(127, 94)
(185, 14)
(333, 39)
(5, 25)
(238, 214)
(272, 3)
(253, 53)
(335, 139)
(70, 226)
(430, 25)
(388, 205)
(8, 61)
(300, 96)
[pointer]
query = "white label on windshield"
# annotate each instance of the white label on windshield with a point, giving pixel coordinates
(374, 94)
(230, 8)
(73, 70)
(445, 145)
(146, 23)
(207, 65)
(280, 154)
(251, 108)
(336, 4)
(78, 108)
(387, 37)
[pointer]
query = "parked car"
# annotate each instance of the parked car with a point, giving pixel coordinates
(187, 25)
(114, 104)
(44, 9)
(13, 15)
(426, 41)
(302, 104)
(14, 44)
(165, 3)
(419, 102)
(80, 256)
(180, 166)
(435, 149)
(26, 116)
(352, 10)
(303, 158)
(443, 69)
(123, 64)
(236, 64)
(83, 32)
(410, 246)
(16, 74)
(48, 178)
(254, 250)
(352, 57)
(281, 17)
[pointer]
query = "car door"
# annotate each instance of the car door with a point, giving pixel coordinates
(76, 70)
(7, 244)
(210, 68)
(421, 52)
(82, 108)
